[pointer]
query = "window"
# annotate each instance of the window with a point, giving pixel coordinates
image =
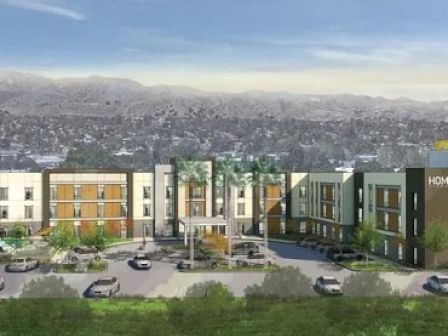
(324, 230)
(370, 194)
(28, 193)
(360, 215)
(100, 209)
(169, 192)
(415, 256)
(332, 192)
(196, 192)
(77, 192)
(386, 221)
(302, 191)
(196, 208)
(324, 192)
(241, 209)
(415, 227)
(400, 226)
(53, 191)
(313, 229)
(360, 195)
(28, 212)
(324, 211)
(399, 198)
(240, 192)
(52, 211)
(3, 194)
(386, 247)
(123, 210)
(3, 212)
(100, 192)
(146, 210)
(146, 192)
(303, 208)
(400, 251)
(302, 227)
(77, 210)
(219, 192)
(123, 192)
(318, 229)
(169, 210)
(220, 208)
(415, 199)
(386, 198)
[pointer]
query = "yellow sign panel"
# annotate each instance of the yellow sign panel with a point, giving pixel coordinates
(441, 145)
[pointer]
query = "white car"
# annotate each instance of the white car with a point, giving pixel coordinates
(22, 265)
(105, 286)
(254, 259)
(84, 253)
(141, 261)
(328, 285)
(2, 283)
(438, 283)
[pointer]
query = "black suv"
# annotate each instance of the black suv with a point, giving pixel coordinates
(201, 260)
(343, 253)
(245, 248)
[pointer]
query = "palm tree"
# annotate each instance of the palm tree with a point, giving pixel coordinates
(265, 172)
(188, 171)
(232, 176)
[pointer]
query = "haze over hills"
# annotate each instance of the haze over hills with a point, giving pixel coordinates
(23, 93)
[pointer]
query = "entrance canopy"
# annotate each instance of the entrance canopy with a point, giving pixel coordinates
(202, 221)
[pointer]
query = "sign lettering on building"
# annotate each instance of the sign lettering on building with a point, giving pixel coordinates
(438, 181)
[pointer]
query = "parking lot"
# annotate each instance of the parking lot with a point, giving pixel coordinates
(164, 280)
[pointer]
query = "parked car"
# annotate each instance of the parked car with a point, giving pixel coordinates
(6, 253)
(2, 283)
(328, 285)
(22, 265)
(201, 260)
(245, 248)
(141, 261)
(438, 283)
(308, 242)
(105, 286)
(254, 259)
(324, 246)
(84, 253)
(343, 253)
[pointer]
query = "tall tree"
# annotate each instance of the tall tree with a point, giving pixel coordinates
(435, 238)
(265, 172)
(231, 175)
(366, 236)
(191, 172)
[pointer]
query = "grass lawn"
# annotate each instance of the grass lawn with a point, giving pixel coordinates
(225, 268)
(371, 266)
(225, 316)
(92, 267)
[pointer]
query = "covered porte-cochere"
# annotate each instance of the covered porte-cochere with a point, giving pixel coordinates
(202, 225)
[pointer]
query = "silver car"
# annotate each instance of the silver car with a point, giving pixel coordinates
(438, 283)
(141, 261)
(328, 285)
(22, 265)
(254, 259)
(2, 283)
(105, 286)
(84, 253)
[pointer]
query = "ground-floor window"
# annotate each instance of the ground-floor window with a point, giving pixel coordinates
(386, 247)
(324, 230)
(341, 235)
(318, 229)
(400, 251)
(415, 256)
(302, 227)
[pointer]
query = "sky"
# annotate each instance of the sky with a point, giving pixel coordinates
(390, 48)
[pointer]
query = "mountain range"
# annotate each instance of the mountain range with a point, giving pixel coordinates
(23, 94)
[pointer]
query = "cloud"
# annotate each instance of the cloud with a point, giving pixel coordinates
(45, 7)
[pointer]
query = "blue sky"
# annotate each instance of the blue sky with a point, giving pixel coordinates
(377, 47)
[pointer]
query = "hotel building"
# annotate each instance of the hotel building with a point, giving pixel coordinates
(156, 204)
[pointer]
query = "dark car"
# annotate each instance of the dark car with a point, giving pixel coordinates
(324, 246)
(201, 260)
(245, 248)
(343, 253)
(308, 242)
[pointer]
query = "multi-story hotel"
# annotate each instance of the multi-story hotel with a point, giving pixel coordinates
(159, 204)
